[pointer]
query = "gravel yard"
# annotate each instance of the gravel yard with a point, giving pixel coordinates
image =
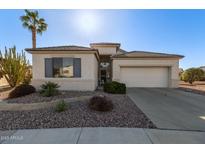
(124, 114)
(197, 87)
(37, 98)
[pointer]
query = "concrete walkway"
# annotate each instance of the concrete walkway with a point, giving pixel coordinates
(105, 135)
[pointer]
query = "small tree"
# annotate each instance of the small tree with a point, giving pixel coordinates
(13, 66)
(1, 75)
(192, 74)
(181, 71)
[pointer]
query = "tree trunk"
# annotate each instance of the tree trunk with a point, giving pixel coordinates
(190, 81)
(34, 38)
(10, 82)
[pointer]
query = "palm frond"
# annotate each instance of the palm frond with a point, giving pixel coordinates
(32, 22)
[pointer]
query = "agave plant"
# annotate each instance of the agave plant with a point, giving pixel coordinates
(49, 89)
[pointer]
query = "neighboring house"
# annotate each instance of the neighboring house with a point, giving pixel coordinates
(203, 68)
(85, 68)
(3, 82)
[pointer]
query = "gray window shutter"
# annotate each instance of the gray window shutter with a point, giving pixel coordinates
(77, 67)
(48, 67)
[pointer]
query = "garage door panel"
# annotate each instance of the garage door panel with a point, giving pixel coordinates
(144, 76)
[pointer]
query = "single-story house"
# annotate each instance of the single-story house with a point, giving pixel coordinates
(86, 68)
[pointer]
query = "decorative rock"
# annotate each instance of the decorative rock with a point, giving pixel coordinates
(124, 114)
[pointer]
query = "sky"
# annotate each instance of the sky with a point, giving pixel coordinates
(169, 31)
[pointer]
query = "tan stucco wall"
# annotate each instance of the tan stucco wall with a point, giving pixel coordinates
(87, 81)
(172, 64)
(106, 50)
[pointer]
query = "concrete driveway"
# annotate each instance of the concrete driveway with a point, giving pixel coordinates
(171, 108)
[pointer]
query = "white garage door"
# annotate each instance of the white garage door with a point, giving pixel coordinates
(144, 76)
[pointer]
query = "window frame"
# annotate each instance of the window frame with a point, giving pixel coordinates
(76, 63)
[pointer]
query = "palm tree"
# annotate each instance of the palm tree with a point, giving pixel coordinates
(33, 23)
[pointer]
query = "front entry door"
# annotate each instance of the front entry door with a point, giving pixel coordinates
(103, 75)
(104, 70)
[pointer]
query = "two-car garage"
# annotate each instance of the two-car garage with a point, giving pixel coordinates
(146, 69)
(144, 76)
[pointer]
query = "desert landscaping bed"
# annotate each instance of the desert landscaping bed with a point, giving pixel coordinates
(36, 97)
(198, 87)
(124, 114)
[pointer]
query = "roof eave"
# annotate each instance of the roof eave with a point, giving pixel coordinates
(148, 57)
(105, 44)
(33, 49)
(37, 51)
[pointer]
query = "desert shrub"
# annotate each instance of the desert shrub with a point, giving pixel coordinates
(13, 66)
(180, 74)
(114, 87)
(192, 74)
(61, 106)
(100, 103)
(1, 73)
(203, 78)
(49, 89)
(21, 90)
(28, 77)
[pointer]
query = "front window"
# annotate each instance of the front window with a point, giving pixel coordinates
(63, 67)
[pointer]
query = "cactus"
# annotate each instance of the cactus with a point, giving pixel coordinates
(1, 74)
(13, 66)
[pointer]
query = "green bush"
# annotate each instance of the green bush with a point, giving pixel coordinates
(61, 106)
(114, 87)
(21, 90)
(203, 78)
(100, 103)
(192, 74)
(49, 89)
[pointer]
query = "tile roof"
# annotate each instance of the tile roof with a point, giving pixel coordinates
(145, 54)
(105, 43)
(122, 50)
(62, 48)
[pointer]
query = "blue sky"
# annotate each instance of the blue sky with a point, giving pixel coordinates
(170, 31)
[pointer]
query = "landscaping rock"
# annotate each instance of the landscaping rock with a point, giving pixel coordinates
(37, 98)
(124, 114)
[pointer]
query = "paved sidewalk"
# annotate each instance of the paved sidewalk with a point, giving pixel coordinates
(103, 135)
